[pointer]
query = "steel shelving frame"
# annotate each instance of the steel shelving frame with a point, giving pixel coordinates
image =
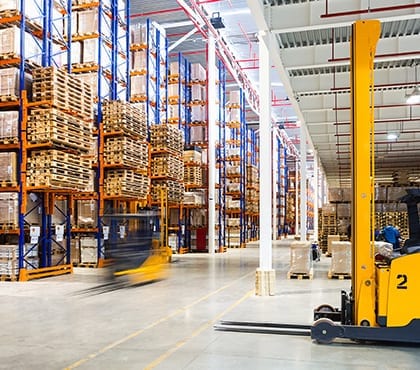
(221, 158)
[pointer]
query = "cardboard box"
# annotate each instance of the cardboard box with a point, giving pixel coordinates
(198, 113)
(138, 86)
(234, 97)
(90, 52)
(139, 60)
(8, 171)
(87, 22)
(139, 34)
(340, 258)
(198, 73)
(9, 81)
(9, 124)
(198, 92)
(9, 209)
(330, 240)
(300, 258)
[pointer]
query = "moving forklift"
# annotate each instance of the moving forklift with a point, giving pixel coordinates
(384, 302)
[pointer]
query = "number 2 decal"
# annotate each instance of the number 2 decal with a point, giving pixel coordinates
(403, 281)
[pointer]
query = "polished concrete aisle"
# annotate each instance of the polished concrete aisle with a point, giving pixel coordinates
(53, 324)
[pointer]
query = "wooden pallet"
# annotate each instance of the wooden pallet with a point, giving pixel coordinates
(339, 276)
(8, 277)
(8, 98)
(300, 275)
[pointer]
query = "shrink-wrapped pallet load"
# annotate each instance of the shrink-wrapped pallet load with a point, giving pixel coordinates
(300, 259)
(340, 259)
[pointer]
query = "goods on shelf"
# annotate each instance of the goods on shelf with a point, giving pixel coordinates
(124, 117)
(87, 212)
(166, 137)
(193, 198)
(192, 157)
(55, 127)
(9, 127)
(168, 166)
(9, 210)
(10, 45)
(8, 173)
(340, 258)
(88, 250)
(126, 151)
(9, 83)
(139, 34)
(193, 176)
(126, 183)
(174, 191)
(63, 91)
(58, 169)
(198, 73)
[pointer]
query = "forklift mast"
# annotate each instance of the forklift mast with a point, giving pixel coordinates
(365, 35)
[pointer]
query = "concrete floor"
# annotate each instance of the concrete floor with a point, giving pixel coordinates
(50, 324)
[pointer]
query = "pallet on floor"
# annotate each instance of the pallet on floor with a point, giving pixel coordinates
(301, 275)
(339, 276)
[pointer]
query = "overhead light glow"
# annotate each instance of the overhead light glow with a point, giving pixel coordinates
(392, 136)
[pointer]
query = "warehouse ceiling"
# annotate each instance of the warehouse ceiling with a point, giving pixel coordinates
(312, 84)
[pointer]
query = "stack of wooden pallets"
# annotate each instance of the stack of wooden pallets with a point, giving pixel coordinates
(55, 127)
(167, 166)
(59, 133)
(193, 176)
(167, 144)
(125, 118)
(166, 137)
(59, 170)
(126, 151)
(57, 88)
(126, 183)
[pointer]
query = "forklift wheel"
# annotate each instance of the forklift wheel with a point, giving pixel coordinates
(324, 331)
(325, 308)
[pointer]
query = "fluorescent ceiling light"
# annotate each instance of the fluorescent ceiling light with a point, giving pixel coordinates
(392, 136)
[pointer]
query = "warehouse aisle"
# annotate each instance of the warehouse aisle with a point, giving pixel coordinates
(50, 324)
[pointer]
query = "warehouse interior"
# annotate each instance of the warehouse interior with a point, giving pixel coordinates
(209, 184)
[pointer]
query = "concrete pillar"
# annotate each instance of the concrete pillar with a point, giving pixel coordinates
(303, 187)
(212, 114)
(265, 275)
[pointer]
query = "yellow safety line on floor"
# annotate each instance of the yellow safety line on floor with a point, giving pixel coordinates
(203, 327)
(163, 319)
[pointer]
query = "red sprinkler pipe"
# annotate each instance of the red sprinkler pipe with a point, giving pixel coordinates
(368, 10)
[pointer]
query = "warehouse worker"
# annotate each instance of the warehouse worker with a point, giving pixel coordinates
(391, 235)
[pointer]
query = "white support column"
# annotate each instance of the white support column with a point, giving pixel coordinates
(212, 114)
(303, 187)
(316, 196)
(265, 275)
(297, 187)
(274, 196)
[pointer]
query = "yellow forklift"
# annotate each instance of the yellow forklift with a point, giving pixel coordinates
(384, 302)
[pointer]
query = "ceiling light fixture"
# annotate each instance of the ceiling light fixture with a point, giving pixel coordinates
(414, 97)
(217, 21)
(392, 136)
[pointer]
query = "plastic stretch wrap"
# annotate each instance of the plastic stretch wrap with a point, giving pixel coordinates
(300, 258)
(8, 167)
(341, 257)
(383, 249)
(330, 240)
